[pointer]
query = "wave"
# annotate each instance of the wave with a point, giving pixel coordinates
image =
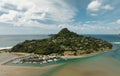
(115, 42)
(1, 48)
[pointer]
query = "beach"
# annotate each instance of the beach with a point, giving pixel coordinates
(85, 65)
(6, 70)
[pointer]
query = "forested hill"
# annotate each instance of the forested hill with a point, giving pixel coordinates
(63, 42)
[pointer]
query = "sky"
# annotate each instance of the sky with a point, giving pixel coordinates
(50, 16)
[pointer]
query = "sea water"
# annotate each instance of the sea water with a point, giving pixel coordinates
(103, 64)
(8, 41)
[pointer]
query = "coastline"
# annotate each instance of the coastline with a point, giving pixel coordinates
(97, 65)
(21, 54)
(7, 70)
(81, 56)
(85, 55)
(31, 70)
(6, 48)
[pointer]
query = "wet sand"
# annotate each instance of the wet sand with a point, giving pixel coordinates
(104, 64)
(98, 66)
(6, 70)
(23, 71)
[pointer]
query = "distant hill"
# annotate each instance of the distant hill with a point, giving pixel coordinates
(65, 42)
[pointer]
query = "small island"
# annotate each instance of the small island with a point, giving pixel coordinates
(62, 44)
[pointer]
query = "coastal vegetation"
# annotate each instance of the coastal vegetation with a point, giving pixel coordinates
(4, 50)
(63, 43)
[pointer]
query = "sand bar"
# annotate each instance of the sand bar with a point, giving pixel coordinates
(6, 70)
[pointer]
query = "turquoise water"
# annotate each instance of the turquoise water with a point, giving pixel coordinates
(110, 38)
(103, 64)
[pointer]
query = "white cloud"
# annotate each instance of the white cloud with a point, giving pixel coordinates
(93, 14)
(11, 16)
(108, 7)
(92, 27)
(98, 27)
(27, 10)
(94, 6)
(118, 21)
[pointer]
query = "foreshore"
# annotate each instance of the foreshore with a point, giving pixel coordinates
(21, 54)
(7, 70)
(18, 55)
(81, 56)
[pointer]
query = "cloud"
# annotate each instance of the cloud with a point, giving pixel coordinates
(10, 16)
(98, 27)
(94, 14)
(94, 6)
(108, 7)
(57, 14)
(118, 21)
(20, 12)
(97, 6)
(92, 27)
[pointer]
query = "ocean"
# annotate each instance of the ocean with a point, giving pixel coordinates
(8, 41)
(102, 64)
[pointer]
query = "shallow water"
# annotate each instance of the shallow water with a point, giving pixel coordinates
(104, 64)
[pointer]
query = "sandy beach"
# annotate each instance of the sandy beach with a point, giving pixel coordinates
(6, 70)
(80, 56)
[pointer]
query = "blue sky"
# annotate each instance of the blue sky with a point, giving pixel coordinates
(49, 16)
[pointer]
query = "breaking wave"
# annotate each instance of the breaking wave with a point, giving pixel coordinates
(1, 48)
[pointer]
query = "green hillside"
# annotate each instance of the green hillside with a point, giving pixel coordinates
(63, 42)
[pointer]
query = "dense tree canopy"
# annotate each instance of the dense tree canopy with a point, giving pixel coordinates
(65, 40)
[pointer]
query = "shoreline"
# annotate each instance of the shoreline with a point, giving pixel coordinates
(82, 56)
(21, 54)
(87, 55)
(6, 70)
(5, 48)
